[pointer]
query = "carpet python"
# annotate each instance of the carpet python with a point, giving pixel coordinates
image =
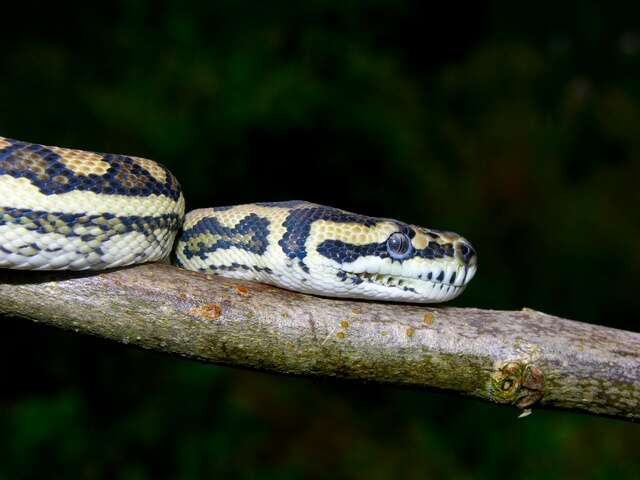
(67, 209)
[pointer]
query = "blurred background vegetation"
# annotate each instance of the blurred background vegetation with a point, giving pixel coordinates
(518, 127)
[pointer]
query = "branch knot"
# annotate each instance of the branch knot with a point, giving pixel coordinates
(517, 383)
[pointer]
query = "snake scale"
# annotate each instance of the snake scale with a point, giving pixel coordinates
(67, 209)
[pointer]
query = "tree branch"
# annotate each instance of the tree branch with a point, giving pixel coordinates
(525, 358)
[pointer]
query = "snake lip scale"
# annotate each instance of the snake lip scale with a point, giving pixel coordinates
(69, 209)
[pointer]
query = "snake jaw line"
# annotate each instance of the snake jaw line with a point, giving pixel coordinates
(423, 288)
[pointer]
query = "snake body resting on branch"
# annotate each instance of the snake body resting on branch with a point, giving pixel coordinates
(66, 209)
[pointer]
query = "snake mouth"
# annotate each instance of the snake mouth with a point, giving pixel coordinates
(437, 285)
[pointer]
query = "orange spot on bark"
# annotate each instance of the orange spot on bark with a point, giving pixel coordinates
(210, 311)
(428, 318)
(242, 290)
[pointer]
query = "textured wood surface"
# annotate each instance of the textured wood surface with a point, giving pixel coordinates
(525, 358)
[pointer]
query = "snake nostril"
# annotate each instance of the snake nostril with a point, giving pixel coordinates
(467, 252)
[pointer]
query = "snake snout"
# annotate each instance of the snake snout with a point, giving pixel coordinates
(465, 253)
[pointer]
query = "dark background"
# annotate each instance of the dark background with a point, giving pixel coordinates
(518, 127)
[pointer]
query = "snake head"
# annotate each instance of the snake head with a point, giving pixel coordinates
(327, 251)
(391, 260)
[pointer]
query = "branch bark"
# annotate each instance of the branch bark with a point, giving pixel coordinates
(525, 358)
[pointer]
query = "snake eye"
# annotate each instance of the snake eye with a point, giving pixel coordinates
(399, 246)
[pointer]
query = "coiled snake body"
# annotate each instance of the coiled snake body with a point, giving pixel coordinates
(65, 209)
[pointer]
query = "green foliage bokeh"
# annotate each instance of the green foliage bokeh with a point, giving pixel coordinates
(519, 129)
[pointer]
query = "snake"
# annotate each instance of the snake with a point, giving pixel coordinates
(70, 209)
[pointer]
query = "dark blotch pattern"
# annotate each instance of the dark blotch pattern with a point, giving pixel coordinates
(45, 169)
(254, 227)
(298, 225)
(63, 224)
(343, 252)
(438, 250)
